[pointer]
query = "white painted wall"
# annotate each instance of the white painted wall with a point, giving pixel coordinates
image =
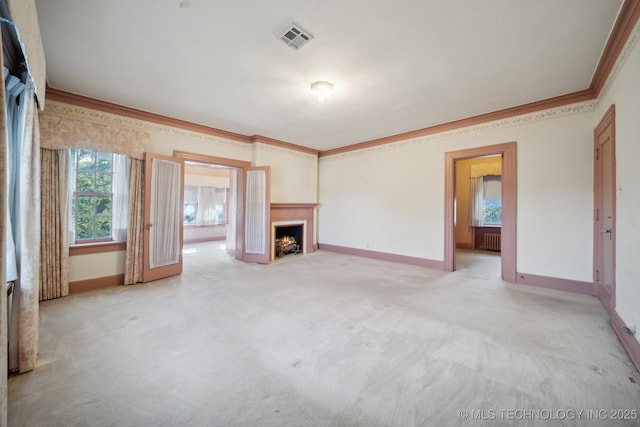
(391, 198)
(624, 92)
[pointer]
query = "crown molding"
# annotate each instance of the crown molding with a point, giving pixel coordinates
(60, 96)
(554, 105)
(482, 126)
(631, 41)
(108, 107)
(620, 36)
(282, 144)
(622, 29)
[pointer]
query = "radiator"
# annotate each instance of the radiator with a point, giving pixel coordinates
(491, 242)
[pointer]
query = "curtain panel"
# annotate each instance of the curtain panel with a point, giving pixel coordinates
(120, 206)
(4, 362)
(25, 16)
(206, 213)
(25, 296)
(254, 228)
(135, 230)
(23, 336)
(164, 236)
(13, 89)
(476, 203)
(54, 203)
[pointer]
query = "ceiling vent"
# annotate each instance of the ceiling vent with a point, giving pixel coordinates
(295, 36)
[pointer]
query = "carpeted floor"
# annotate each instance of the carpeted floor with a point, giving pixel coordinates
(325, 339)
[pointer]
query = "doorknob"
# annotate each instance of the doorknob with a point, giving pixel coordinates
(604, 231)
(148, 226)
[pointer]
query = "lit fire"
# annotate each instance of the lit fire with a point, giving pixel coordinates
(285, 245)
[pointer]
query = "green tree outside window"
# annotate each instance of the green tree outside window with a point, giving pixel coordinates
(93, 196)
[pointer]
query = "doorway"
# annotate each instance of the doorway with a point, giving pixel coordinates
(508, 192)
(224, 219)
(206, 208)
(479, 215)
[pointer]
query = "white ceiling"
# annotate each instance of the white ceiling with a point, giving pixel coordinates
(397, 66)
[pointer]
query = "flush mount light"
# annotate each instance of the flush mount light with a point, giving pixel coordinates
(322, 89)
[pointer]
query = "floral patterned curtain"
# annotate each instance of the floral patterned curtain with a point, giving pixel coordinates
(135, 230)
(54, 249)
(23, 336)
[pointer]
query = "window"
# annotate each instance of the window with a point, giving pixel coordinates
(99, 199)
(190, 210)
(93, 196)
(204, 205)
(492, 200)
(219, 215)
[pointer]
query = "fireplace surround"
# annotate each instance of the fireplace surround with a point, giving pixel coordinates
(288, 237)
(293, 215)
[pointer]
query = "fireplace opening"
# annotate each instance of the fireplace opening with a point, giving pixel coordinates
(288, 240)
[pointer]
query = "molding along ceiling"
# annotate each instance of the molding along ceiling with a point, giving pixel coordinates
(398, 68)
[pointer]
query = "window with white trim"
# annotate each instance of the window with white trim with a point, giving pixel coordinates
(99, 196)
(492, 200)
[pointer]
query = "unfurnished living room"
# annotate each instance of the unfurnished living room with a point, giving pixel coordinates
(330, 213)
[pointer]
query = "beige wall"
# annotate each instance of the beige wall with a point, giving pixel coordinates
(623, 90)
(294, 175)
(493, 165)
(84, 267)
(391, 198)
(204, 233)
(204, 176)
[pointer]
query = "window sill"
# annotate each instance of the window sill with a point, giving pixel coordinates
(96, 248)
(220, 224)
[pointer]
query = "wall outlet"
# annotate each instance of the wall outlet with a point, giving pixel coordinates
(628, 330)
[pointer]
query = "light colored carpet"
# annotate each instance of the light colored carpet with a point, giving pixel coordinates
(324, 339)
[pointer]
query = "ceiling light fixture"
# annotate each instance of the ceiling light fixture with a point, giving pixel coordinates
(322, 89)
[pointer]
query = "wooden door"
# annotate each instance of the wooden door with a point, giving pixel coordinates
(256, 236)
(604, 209)
(163, 216)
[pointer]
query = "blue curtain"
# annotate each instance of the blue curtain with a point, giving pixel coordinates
(15, 113)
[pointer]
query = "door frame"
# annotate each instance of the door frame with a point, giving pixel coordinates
(239, 165)
(509, 200)
(608, 297)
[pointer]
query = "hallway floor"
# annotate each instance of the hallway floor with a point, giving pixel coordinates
(324, 339)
